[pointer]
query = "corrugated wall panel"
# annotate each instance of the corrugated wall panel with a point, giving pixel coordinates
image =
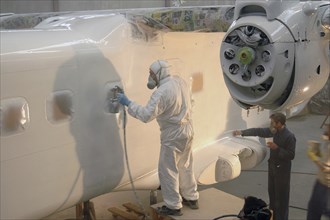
(34, 6)
(74, 5)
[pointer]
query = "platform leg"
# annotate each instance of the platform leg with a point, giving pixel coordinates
(85, 211)
(326, 118)
(154, 214)
(79, 211)
(153, 197)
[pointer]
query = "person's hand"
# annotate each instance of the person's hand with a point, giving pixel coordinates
(122, 99)
(272, 145)
(237, 132)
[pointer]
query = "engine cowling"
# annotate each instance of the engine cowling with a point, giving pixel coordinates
(275, 59)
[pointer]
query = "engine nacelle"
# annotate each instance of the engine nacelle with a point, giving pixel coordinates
(276, 53)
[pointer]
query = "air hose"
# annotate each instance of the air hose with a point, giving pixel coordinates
(138, 200)
(226, 216)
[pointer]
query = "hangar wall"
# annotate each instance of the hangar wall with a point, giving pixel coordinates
(34, 6)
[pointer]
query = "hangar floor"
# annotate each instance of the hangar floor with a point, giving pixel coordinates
(251, 182)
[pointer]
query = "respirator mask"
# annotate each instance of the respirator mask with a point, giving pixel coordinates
(152, 80)
(151, 83)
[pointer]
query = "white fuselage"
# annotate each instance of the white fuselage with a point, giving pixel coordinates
(51, 165)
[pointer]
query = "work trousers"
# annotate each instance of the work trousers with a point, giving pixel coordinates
(279, 188)
(176, 176)
(319, 202)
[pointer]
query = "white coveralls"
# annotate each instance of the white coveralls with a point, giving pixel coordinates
(170, 104)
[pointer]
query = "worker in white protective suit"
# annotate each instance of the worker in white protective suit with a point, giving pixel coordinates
(170, 104)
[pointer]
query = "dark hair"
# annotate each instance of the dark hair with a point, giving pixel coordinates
(278, 117)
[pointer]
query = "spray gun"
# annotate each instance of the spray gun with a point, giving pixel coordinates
(113, 104)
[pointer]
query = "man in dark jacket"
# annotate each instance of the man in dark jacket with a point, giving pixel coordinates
(282, 151)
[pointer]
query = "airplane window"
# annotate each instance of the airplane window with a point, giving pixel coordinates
(14, 116)
(59, 106)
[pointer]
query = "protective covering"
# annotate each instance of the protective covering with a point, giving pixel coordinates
(171, 105)
(160, 68)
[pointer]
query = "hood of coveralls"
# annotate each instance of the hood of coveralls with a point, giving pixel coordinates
(160, 68)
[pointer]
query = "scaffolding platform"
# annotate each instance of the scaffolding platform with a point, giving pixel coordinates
(131, 212)
(212, 204)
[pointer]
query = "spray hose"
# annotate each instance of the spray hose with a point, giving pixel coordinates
(226, 216)
(138, 200)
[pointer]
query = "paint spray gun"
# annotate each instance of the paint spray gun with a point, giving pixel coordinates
(113, 104)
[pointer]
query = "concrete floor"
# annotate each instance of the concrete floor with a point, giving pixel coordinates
(251, 182)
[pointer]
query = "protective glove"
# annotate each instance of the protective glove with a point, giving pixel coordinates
(122, 99)
(237, 132)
